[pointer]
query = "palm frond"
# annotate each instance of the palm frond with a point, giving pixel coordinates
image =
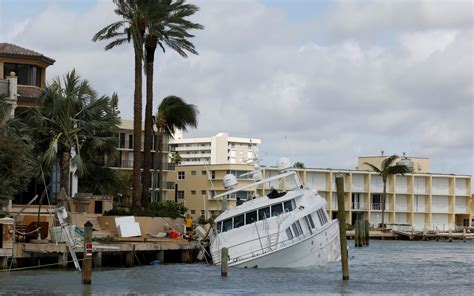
(373, 167)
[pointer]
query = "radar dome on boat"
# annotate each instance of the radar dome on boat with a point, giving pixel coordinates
(230, 181)
(284, 164)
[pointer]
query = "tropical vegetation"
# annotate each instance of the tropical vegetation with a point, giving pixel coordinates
(16, 166)
(71, 126)
(173, 113)
(166, 26)
(130, 29)
(387, 169)
(148, 24)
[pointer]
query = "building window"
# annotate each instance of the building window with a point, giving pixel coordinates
(181, 175)
(203, 192)
(27, 74)
(193, 192)
(213, 175)
(202, 212)
(193, 212)
(180, 194)
(203, 173)
(130, 141)
(193, 173)
(122, 140)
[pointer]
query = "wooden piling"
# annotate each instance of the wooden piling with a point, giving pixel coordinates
(358, 234)
(224, 256)
(3, 263)
(97, 259)
(342, 226)
(464, 234)
(62, 260)
(87, 262)
(130, 257)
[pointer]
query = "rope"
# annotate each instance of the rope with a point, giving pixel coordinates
(35, 267)
(27, 233)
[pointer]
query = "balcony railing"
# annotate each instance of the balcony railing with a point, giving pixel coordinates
(378, 206)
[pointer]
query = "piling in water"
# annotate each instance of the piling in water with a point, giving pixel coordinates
(224, 256)
(342, 226)
(87, 262)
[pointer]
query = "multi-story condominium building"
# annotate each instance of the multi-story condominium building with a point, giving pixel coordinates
(420, 199)
(124, 161)
(218, 149)
(22, 73)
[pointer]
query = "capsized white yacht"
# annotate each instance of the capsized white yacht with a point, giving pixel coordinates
(287, 228)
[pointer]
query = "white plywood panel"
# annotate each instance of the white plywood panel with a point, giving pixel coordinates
(439, 204)
(124, 219)
(440, 186)
(401, 203)
(357, 183)
(129, 229)
(401, 184)
(419, 185)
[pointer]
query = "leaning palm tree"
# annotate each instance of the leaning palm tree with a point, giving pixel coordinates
(386, 170)
(70, 123)
(130, 29)
(166, 26)
(173, 113)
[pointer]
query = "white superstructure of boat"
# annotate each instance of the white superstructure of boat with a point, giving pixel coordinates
(279, 229)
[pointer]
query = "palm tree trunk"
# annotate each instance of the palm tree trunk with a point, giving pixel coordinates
(383, 200)
(65, 169)
(137, 131)
(150, 53)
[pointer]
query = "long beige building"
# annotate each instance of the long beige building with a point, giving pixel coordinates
(218, 149)
(420, 199)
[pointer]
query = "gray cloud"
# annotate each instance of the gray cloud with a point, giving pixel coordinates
(366, 76)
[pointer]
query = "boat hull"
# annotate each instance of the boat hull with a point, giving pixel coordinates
(317, 249)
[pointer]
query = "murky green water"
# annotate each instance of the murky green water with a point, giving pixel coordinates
(385, 267)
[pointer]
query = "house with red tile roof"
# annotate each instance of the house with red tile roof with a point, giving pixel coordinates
(22, 74)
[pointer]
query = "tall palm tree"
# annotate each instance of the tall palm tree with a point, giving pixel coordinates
(71, 123)
(166, 26)
(388, 169)
(173, 113)
(130, 29)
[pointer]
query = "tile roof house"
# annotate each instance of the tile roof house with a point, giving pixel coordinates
(28, 67)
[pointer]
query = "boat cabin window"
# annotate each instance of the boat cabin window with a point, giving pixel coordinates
(288, 233)
(238, 221)
(310, 220)
(250, 217)
(299, 227)
(308, 224)
(277, 209)
(263, 213)
(219, 226)
(227, 225)
(289, 205)
(322, 216)
(295, 229)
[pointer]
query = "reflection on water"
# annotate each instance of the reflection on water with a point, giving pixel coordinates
(385, 267)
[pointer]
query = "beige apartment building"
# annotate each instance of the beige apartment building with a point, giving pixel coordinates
(124, 161)
(419, 199)
(218, 149)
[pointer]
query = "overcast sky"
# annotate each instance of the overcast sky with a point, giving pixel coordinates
(320, 82)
